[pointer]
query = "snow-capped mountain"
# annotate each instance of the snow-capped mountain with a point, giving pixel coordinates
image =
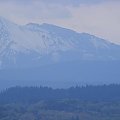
(33, 45)
(54, 56)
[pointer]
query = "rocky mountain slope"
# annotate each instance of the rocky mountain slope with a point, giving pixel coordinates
(49, 55)
(35, 45)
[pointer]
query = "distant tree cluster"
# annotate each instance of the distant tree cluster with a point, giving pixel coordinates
(36, 94)
(75, 103)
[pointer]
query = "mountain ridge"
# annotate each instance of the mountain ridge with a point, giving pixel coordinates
(50, 43)
(49, 55)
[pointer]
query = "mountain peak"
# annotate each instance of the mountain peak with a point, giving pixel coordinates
(32, 24)
(46, 43)
(5, 21)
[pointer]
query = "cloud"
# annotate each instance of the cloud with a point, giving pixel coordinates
(98, 17)
(101, 19)
(60, 2)
(32, 11)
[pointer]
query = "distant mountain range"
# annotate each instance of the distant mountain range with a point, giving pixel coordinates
(40, 47)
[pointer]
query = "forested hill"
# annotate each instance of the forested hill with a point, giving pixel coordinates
(36, 94)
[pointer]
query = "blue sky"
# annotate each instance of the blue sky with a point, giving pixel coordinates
(98, 17)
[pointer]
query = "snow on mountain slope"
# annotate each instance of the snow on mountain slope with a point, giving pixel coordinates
(34, 44)
(22, 39)
(85, 45)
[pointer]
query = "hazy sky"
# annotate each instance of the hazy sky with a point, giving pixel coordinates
(98, 17)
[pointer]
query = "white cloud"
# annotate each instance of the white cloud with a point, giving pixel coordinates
(101, 19)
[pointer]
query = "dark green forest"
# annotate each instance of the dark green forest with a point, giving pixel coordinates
(75, 103)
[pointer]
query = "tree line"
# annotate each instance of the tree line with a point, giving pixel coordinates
(35, 94)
